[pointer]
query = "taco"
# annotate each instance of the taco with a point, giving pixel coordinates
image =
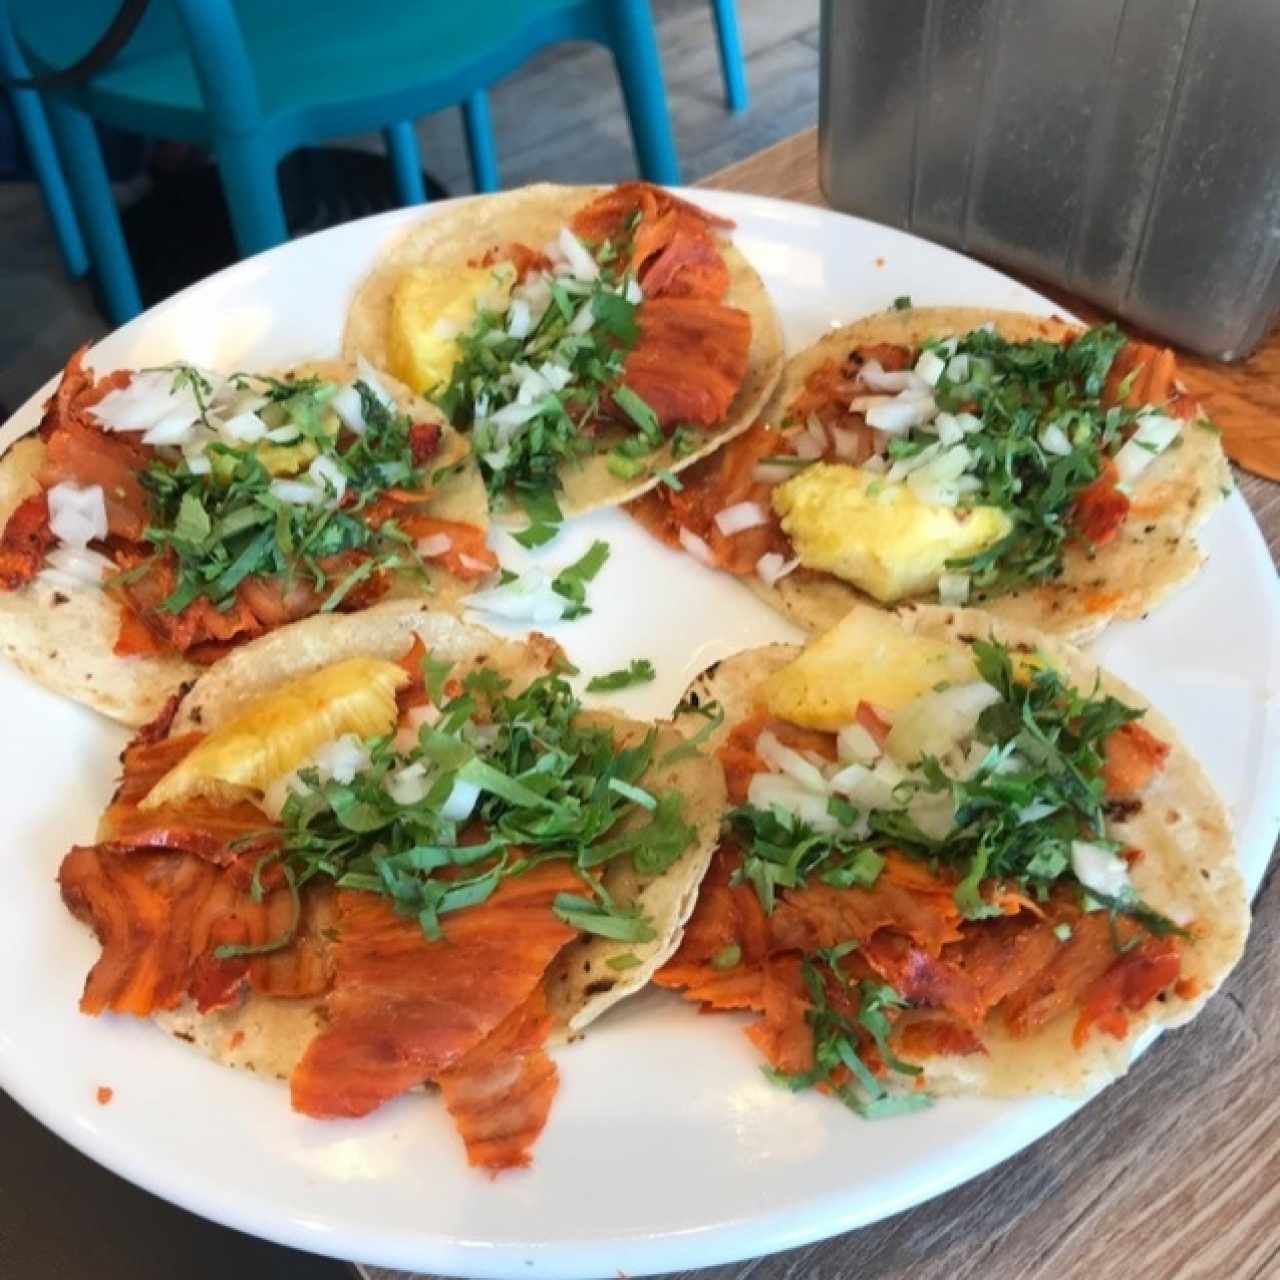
(961, 859)
(160, 518)
(591, 341)
(384, 850)
(1049, 474)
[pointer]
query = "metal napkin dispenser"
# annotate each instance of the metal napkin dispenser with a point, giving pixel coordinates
(1128, 150)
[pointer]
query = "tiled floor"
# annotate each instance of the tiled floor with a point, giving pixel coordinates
(558, 118)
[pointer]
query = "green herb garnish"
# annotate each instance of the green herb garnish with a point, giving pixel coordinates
(640, 671)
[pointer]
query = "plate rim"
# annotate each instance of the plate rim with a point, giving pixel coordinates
(645, 1252)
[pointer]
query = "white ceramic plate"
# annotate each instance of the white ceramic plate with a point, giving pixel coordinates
(666, 1147)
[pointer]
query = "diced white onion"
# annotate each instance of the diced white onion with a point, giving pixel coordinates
(581, 263)
(531, 386)
(519, 318)
(529, 598)
(696, 547)
(856, 745)
(953, 589)
(935, 722)
(408, 785)
(1155, 433)
(437, 544)
(934, 482)
(903, 412)
(1099, 869)
(462, 800)
(556, 376)
(582, 322)
(874, 375)
(342, 759)
(347, 405)
(903, 467)
(968, 422)
(69, 566)
(245, 428)
(772, 568)
(289, 434)
(367, 374)
(406, 738)
(299, 493)
(279, 791)
(77, 516)
(199, 465)
(769, 789)
(933, 812)
(865, 788)
(329, 478)
(958, 369)
(949, 430)
(783, 759)
(633, 292)
(173, 428)
(147, 399)
(515, 415)
(930, 367)
(1054, 440)
(740, 517)
(876, 464)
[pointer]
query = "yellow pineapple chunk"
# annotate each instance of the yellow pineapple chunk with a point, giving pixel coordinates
(867, 657)
(430, 307)
(282, 729)
(876, 533)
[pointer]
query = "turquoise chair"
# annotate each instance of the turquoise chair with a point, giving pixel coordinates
(34, 128)
(254, 81)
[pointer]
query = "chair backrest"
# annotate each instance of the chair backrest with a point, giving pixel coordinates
(207, 31)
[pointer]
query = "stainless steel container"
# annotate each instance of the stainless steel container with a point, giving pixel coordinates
(1128, 150)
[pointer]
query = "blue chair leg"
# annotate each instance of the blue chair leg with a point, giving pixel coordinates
(635, 51)
(53, 186)
(248, 168)
(406, 164)
(735, 75)
(484, 155)
(95, 208)
(44, 160)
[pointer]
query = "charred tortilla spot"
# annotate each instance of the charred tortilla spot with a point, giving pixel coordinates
(599, 987)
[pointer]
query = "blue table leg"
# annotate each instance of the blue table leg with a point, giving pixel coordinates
(735, 76)
(484, 154)
(635, 50)
(96, 210)
(248, 168)
(406, 164)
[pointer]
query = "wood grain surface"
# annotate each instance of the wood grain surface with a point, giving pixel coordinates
(1173, 1173)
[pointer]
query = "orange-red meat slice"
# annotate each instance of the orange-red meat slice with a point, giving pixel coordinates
(690, 359)
(405, 1009)
(500, 1093)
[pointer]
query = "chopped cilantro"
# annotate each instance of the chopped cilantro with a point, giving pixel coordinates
(533, 403)
(572, 581)
(902, 302)
(1037, 788)
(640, 671)
(849, 1019)
(223, 524)
(547, 787)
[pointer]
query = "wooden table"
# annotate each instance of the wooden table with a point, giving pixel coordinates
(1175, 1170)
